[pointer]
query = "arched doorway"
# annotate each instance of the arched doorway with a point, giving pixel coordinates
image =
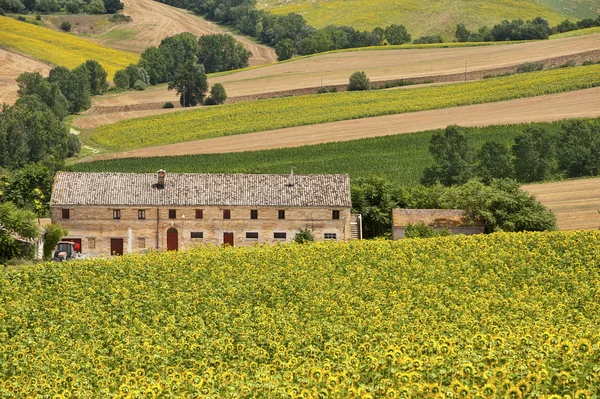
(172, 239)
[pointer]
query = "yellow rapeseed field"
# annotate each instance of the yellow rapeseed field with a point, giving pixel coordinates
(254, 116)
(60, 48)
(498, 316)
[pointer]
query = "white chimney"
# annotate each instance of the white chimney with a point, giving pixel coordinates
(161, 174)
(291, 179)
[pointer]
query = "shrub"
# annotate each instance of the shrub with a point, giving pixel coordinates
(54, 233)
(429, 40)
(569, 64)
(304, 236)
(38, 17)
(168, 104)
(139, 85)
(322, 90)
(121, 79)
(421, 230)
(530, 67)
(22, 18)
(120, 18)
(218, 94)
(333, 89)
(359, 81)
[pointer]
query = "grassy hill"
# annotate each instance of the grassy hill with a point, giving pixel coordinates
(59, 48)
(427, 17)
(469, 317)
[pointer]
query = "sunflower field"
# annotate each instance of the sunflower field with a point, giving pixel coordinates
(276, 113)
(499, 316)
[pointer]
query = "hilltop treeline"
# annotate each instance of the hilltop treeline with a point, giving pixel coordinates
(535, 29)
(289, 34)
(67, 6)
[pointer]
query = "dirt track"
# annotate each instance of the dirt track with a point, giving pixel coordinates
(582, 103)
(11, 66)
(380, 65)
(153, 21)
(575, 203)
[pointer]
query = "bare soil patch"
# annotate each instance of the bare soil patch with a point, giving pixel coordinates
(575, 202)
(576, 104)
(11, 66)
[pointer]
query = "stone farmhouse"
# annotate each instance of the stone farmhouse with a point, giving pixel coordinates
(117, 213)
(454, 220)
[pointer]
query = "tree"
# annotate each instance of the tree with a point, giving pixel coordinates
(578, 149)
(190, 84)
(28, 83)
(121, 79)
(462, 34)
(285, 49)
(221, 53)
(217, 94)
(112, 6)
(397, 34)
(29, 188)
(493, 161)
(177, 50)
(304, 236)
(54, 233)
(15, 225)
(78, 89)
(96, 7)
(359, 81)
(453, 158)
(154, 62)
(421, 230)
(534, 153)
(65, 26)
(97, 75)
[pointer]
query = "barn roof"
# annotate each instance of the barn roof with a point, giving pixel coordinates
(190, 189)
(431, 217)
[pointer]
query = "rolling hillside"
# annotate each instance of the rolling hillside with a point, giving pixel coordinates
(428, 17)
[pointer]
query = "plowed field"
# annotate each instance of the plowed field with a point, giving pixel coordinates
(11, 66)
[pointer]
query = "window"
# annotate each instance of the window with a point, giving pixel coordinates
(226, 214)
(92, 242)
(331, 236)
(65, 214)
(199, 214)
(281, 214)
(116, 214)
(172, 213)
(252, 236)
(141, 243)
(254, 214)
(280, 236)
(141, 214)
(335, 215)
(197, 234)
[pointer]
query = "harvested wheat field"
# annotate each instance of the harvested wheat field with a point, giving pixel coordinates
(335, 68)
(575, 202)
(11, 66)
(576, 104)
(153, 21)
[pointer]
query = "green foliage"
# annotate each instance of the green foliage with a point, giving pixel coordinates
(168, 104)
(530, 67)
(11, 6)
(15, 223)
(453, 158)
(429, 40)
(54, 233)
(304, 236)
(177, 50)
(493, 161)
(217, 94)
(190, 83)
(29, 188)
(96, 7)
(79, 89)
(359, 81)
(578, 148)
(154, 62)
(97, 76)
(121, 79)
(65, 26)
(397, 34)
(462, 34)
(112, 6)
(421, 230)
(285, 49)
(534, 153)
(139, 85)
(221, 52)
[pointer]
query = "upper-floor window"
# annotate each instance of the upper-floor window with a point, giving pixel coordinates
(141, 214)
(226, 214)
(116, 214)
(199, 214)
(172, 213)
(281, 214)
(331, 236)
(254, 214)
(66, 214)
(335, 215)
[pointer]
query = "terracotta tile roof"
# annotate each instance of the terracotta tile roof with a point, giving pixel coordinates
(139, 189)
(431, 217)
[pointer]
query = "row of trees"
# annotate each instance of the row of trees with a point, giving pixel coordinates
(539, 153)
(501, 205)
(535, 29)
(66, 6)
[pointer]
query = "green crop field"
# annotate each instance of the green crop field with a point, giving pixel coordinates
(60, 48)
(579, 32)
(423, 17)
(253, 116)
(508, 315)
(400, 158)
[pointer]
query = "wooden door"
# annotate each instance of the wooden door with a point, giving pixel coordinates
(228, 239)
(172, 239)
(116, 246)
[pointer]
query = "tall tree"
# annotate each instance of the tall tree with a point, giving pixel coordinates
(15, 225)
(221, 53)
(578, 149)
(453, 158)
(534, 154)
(97, 74)
(190, 83)
(493, 161)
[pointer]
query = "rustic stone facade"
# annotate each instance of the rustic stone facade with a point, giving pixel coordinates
(453, 220)
(128, 213)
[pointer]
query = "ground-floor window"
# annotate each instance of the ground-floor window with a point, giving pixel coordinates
(197, 234)
(252, 235)
(141, 242)
(331, 236)
(280, 236)
(92, 242)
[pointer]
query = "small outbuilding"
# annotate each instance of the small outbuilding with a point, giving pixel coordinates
(454, 220)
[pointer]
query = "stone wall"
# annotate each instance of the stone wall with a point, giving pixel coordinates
(96, 227)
